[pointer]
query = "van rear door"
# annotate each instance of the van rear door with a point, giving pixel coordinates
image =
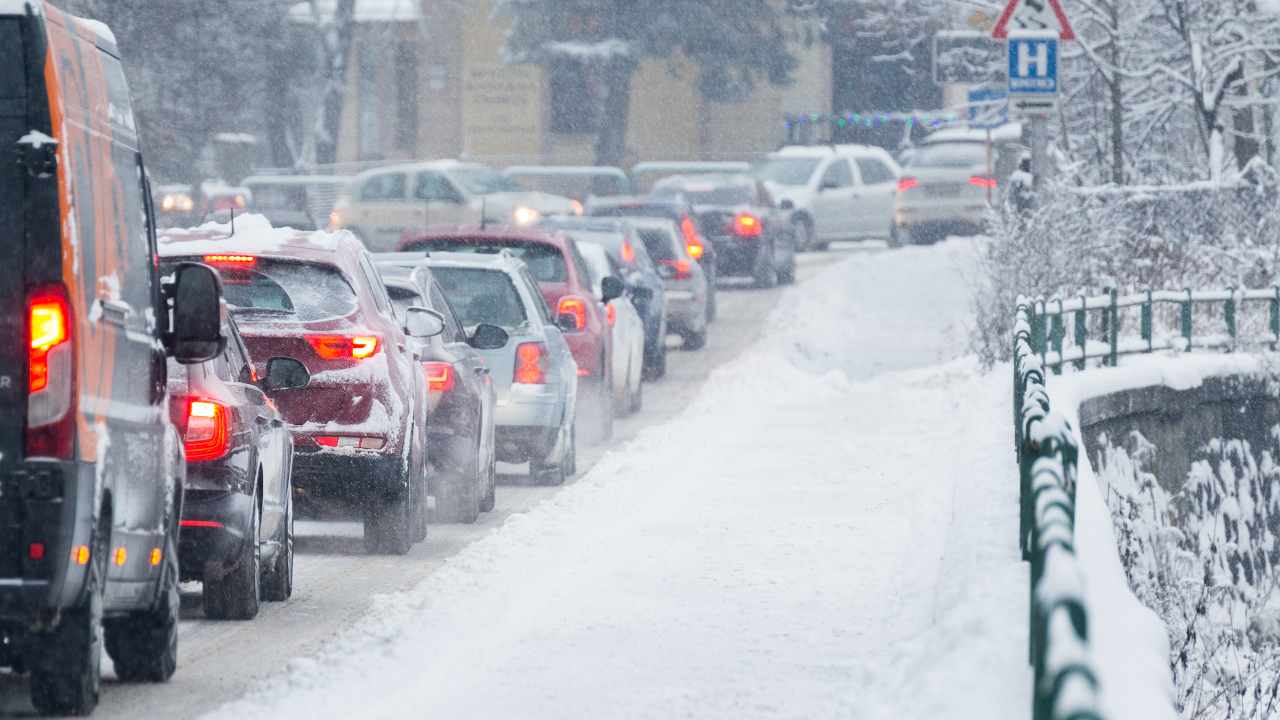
(13, 201)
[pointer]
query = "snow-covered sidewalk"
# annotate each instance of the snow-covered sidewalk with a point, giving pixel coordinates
(829, 531)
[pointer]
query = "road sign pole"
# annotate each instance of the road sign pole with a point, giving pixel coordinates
(1040, 164)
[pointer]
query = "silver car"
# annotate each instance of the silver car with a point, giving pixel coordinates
(686, 286)
(534, 373)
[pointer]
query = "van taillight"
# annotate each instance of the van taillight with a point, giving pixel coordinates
(208, 431)
(342, 347)
(747, 225)
(576, 307)
(529, 364)
(50, 375)
(440, 376)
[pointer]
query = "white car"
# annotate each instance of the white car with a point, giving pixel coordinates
(627, 328)
(950, 181)
(380, 205)
(840, 192)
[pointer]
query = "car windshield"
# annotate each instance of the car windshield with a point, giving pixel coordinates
(545, 261)
(480, 296)
(787, 171)
(307, 291)
(707, 193)
(483, 181)
(948, 155)
(660, 243)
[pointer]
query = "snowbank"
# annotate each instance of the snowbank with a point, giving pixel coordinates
(828, 530)
(1129, 641)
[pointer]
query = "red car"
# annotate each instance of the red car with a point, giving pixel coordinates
(360, 426)
(554, 261)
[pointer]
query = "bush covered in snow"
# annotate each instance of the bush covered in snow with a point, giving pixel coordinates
(1085, 241)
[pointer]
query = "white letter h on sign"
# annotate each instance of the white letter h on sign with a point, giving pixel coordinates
(1030, 54)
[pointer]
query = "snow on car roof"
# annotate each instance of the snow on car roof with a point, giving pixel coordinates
(1009, 132)
(827, 150)
(442, 164)
(570, 170)
(501, 261)
(254, 235)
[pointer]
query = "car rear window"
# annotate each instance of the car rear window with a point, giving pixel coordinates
(307, 291)
(706, 193)
(482, 296)
(545, 261)
(949, 155)
(637, 211)
(403, 298)
(661, 244)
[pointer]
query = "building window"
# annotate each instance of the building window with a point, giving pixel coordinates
(575, 98)
(407, 96)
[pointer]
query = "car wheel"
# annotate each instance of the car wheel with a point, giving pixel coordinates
(490, 498)
(803, 230)
(388, 525)
(637, 397)
(279, 584)
(655, 362)
(462, 494)
(695, 340)
(571, 453)
(66, 662)
(549, 470)
(236, 595)
(144, 646)
(420, 509)
(766, 271)
(895, 237)
(606, 410)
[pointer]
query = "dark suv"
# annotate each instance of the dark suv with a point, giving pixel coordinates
(237, 521)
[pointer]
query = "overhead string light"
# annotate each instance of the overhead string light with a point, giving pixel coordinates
(874, 120)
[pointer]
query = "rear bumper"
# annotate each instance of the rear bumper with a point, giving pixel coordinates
(736, 257)
(520, 444)
(215, 526)
(530, 406)
(349, 478)
(686, 309)
(970, 212)
(51, 503)
(588, 350)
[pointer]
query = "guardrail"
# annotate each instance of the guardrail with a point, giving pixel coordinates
(1066, 684)
(1047, 322)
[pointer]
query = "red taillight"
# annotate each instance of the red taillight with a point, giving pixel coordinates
(207, 435)
(200, 523)
(692, 240)
(747, 225)
(440, 376)
(983, 181)
(575, 306)
(907, 183)
(35, 551)
(359, 442)
(611, 314)
(230, 259)
(343, 347)
(628, 252)
(50, 375)
(529, 364)
(683, 268)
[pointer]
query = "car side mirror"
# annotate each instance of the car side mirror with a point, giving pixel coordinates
(284, 373)
(489, 337)
(567, 322)
(196, 335)
(786, 205)
(421, 323)
(611, 288)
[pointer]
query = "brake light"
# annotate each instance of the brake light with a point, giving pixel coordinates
(692, 241)
(529, 364)
(230, 259)
(440, 376)
(628, 252)
(983, 181)
(747, 225)
(343, 347)
(611, 314)
(683, 269)
(360, 442)
(201, 523)
(208, 432)
(50, 375)
(575, 306)
(907, 183)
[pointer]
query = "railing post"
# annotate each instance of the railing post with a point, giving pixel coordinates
(1113, 328)
(1056, 334)
(1229, 314)
(1037, 329)
(1147, 312)
(1082, 332)
(1186, 320)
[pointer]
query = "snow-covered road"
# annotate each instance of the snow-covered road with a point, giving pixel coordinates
(828, 530)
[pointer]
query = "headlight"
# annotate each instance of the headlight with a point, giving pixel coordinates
(177, 202)
(336, 221)
(577, 207)
(526, 216)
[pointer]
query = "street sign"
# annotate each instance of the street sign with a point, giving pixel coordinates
(1033, 65)
(967, 58)
(1038, 15)
(988, 108)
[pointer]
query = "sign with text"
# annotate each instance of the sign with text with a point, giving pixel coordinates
(1033, 65)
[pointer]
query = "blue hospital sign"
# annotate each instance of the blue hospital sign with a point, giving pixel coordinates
(1033, 66)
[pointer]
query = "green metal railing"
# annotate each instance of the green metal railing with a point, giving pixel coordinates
(1048, 320)
(1066, 684)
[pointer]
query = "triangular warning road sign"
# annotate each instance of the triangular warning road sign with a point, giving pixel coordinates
(1034, 15)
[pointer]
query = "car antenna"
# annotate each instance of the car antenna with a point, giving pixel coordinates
(233, 223)
(484, 213)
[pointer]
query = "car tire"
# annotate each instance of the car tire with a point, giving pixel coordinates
(237, 594)
(553, 471)
(655, 362)
(278, 586)
(802, 227)
(695, 340)
(713, 286)
(787, 275)
(637, 397)
(895, 237)
(461, 497)
(490, 497)
(571, 453)
(66, 666)
(766, 270)
(144, 646)
(607, 409)
(388, 526)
